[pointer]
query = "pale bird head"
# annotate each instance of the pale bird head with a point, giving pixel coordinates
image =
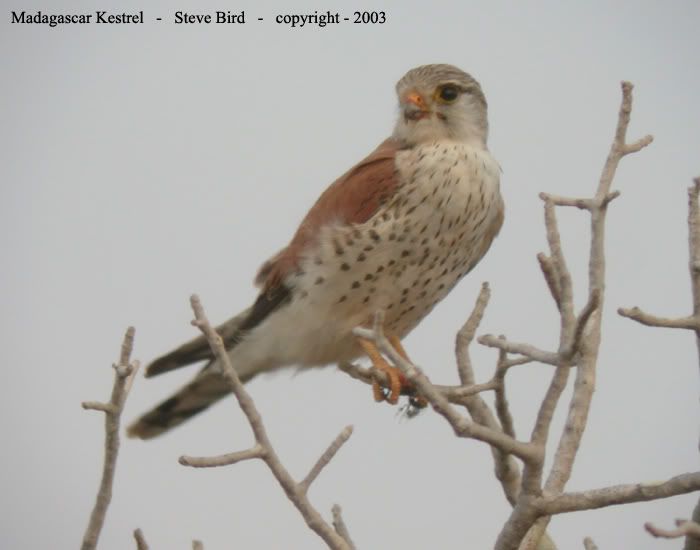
(440, 102)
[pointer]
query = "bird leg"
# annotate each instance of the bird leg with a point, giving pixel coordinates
(395, 376)
(417, 401)
(397, 380)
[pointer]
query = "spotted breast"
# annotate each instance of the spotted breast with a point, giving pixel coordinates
(406, 258)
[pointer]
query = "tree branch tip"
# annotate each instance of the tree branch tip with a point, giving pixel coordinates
(99, 406)
(611, 197)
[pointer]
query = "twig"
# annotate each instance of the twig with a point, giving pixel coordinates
(263, 449)
(141, 543)
(340, 527)
(636, 314)
(530, 351)
(326, 457)
(222, 460)
(684, 528)
(124, 373)
(502, 408)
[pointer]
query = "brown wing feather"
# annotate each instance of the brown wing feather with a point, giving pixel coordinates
(353, 198)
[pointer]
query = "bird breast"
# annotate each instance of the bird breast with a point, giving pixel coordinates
(406, 258)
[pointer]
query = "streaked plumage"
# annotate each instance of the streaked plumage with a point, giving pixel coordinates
(396, 232)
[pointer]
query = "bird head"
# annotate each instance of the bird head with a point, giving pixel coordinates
(440, 102)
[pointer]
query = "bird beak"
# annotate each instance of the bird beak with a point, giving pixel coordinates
(415, 107)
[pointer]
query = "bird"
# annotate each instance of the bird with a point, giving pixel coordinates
(395, 233)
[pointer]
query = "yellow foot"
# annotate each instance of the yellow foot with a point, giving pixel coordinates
(397, 381)
(395, 376)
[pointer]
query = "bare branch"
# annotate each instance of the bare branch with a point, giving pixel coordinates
(684, 528)
(340, 527)
(465, 336)
(617, 494)
(636, 314)
(461, 425)
(550, 277)
(124, 373)
(502, 408)
(222, 460)
(326, 457)
(525, 517)
(581, 321)
(295, 491)
(529, 351)
(141, 543)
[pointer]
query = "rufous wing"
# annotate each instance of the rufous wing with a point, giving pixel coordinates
(351, 199)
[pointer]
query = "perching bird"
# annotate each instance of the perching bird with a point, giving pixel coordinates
(394, 233)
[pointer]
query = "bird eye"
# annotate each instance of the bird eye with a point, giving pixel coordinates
(448, 93)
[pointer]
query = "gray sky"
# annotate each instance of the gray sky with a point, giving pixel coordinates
(143, 163)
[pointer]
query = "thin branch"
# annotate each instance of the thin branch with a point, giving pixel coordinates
(529, 351)
(124, 373)
(457, 395)
(636, 314)
(502, 408)
(465, 336)
(617, 494)
(550, 277)
(222, 460)
(691, 322)
(684, 528)
(295, 492)
(581, 322)
(461, 425)
(505, 466)
(340, 527)
(141, 543)
(326, 457)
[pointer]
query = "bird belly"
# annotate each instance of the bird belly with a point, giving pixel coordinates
(403, 260)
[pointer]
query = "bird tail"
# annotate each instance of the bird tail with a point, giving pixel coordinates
(205, 389)
(198, 395)
(209, 385)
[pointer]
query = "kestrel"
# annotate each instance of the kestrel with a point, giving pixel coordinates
(394, 233)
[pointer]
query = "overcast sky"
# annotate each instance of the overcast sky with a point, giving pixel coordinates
(143, 163)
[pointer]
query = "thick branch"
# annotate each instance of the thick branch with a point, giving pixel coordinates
(124, 373)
